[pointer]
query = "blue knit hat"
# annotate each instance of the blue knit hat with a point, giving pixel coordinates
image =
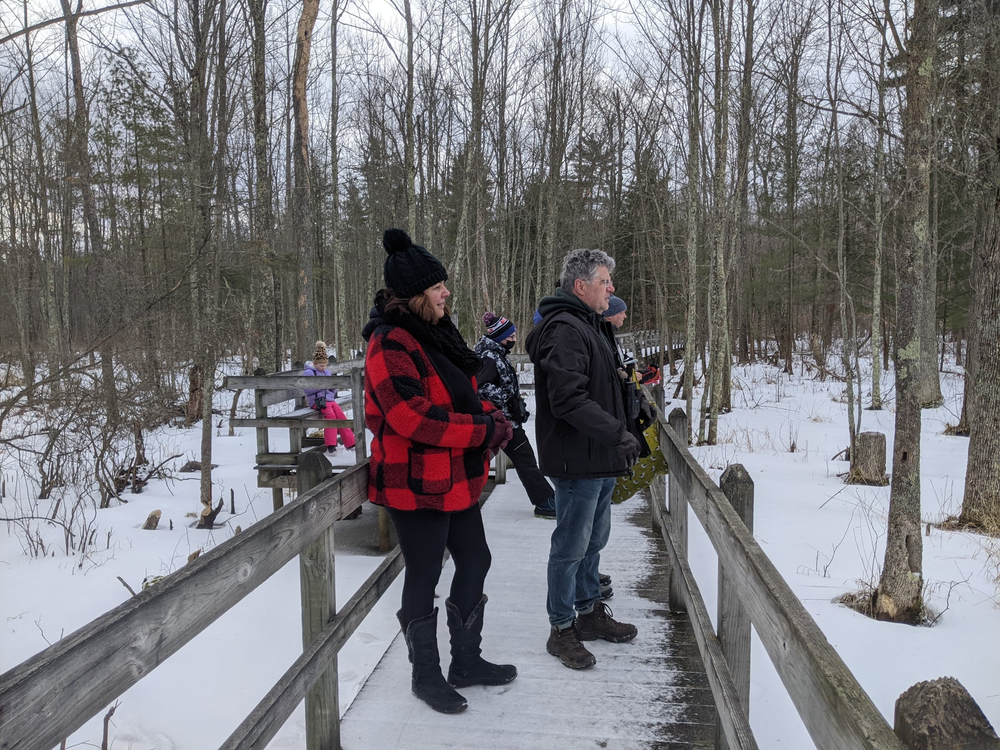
(615, 306)
(498, 328)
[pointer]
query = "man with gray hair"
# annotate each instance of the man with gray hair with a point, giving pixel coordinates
(584, 444)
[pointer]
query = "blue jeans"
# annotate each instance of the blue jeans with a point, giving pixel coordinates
(583, 525)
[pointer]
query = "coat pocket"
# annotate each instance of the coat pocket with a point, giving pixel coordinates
(429, 470)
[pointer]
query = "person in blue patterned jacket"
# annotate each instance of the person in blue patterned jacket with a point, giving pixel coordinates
(498, 385)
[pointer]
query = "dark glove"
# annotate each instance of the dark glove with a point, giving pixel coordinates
(502, 432)
(320, 403)
(522, 410)
(647, 414)
(628, 448)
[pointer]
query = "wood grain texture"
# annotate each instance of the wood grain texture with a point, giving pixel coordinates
(47, 697)
(649, 693)
(283, 382)
(732, 721)
(272, 712)
(678, 491)
(317, 583)
(834, 708)
(733, 622)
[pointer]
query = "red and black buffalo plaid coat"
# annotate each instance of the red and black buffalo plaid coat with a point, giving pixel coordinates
(425, 455)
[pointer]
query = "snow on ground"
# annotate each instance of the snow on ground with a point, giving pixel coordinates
(823, 536)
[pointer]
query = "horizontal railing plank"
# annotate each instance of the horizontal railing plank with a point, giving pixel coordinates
(306, 423)
(282, 382)
(834, 708)
(732, 715)
(49, 696)
(269, 716)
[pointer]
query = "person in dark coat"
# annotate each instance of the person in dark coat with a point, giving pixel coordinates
(584, 444)
(432, 439)
(498, 384)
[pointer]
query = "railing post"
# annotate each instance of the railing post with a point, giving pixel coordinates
(658, 398)
(733, 619)
(263, 447)
(386, 533)
(319, 605)
(500, 468)
(678, 510)
(358, 413)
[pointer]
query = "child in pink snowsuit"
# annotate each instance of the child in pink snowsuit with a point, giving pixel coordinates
(322, 399)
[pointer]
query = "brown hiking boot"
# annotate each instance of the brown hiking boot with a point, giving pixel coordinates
(600, 624)
(566, 645)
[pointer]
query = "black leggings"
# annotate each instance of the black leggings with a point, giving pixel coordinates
(423, 537)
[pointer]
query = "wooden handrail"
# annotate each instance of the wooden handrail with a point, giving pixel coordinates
(49, 696)
(836, 711)
(284, 382)
(271, 713)
(735, 723)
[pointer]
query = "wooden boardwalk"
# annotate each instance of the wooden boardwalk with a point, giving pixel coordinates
(650, 693)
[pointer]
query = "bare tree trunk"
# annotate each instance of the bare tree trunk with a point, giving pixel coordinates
(791, 190)
(981, 502)
(304, 225)
(848, 335)
(691, 41)
(722, 19)
(56, 343)
(930, 380)
(556, 137)
(409, 137)
(744, 136)
(876, 342)
(266, 295)
(899, 596)
(339, 309)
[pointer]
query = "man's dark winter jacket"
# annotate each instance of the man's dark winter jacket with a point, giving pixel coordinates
(579, 416)
(429, 435)
(498, 381)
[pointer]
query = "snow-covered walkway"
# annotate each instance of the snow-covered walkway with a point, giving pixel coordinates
(650, 693)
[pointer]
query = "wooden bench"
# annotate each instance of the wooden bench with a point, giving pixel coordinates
(277, 469)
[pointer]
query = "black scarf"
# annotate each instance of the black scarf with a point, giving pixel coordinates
(444, 337)
(454, 361)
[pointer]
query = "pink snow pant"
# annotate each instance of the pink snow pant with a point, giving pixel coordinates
(333, 411)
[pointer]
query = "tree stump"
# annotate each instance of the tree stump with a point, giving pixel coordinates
(208, 515)
(152, 521)
(941, 715)
(868, 461)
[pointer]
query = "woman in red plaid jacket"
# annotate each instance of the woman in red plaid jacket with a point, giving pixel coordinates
(431, 446)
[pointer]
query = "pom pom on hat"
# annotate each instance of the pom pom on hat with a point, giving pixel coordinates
(615, 306)
(320, 354)
(498, 328)
(409, 269)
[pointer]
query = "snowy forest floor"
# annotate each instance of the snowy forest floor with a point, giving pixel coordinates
(826, 538)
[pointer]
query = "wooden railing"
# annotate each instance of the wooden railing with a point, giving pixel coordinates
(835, 710)
(276, 469)
(48, 697)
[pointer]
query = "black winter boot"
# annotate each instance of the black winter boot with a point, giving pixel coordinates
(428, 684)
(467, 666)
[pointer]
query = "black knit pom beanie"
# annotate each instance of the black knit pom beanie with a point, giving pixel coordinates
(409, 268)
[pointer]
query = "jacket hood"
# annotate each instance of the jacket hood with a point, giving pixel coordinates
(562, 300)
(375, 315)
